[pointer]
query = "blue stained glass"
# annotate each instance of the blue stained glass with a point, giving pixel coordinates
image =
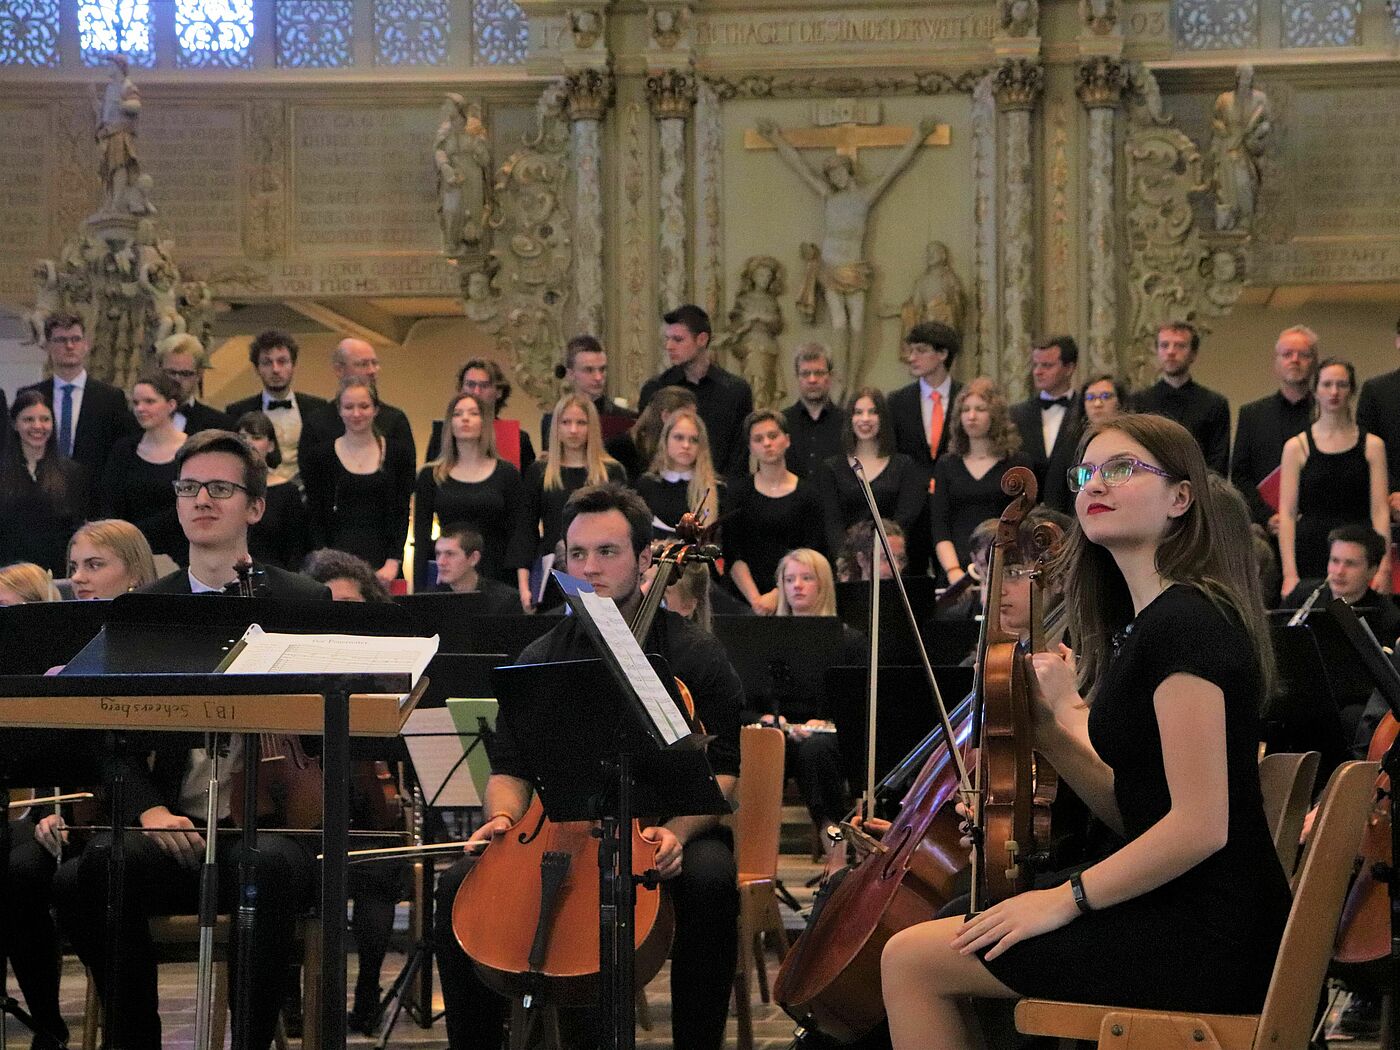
(108, 26)
(214, 33)
(29, 33)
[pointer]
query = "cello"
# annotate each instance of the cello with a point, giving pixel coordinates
(830, 980)
(539, 882)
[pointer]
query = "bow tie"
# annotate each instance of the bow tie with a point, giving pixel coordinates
(1046, 402)
(287, 404)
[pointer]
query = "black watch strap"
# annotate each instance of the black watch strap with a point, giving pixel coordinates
(1076, 887)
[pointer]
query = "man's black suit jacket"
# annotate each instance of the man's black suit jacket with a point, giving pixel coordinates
(1051, 467)
(159, 783)
(319, 422)
(199, 416)
(907, 415)
(103, 418)
(392, 423)
(1378, 412)
(1263, 428)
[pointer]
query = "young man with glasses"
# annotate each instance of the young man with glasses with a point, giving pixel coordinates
(219, 492)
(88, 415)
(814, 421)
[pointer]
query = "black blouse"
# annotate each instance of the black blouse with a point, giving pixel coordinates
(283, 536)
(544, 508)
(959, 502)
(362, 514)
(764, 528)
(36, 526)
(901, 493)
(143, 493)
(494, 507)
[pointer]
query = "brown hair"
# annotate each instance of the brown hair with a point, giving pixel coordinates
(447, 457)
(647, 429)
(702, 491)
(254, 466)
(1001, 432)
(1201, 549)
(884, 440)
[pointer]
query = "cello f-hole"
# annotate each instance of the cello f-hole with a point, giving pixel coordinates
(890, 870)
(527, 837)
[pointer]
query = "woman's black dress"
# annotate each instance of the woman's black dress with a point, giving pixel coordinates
(669, 500)
(544, 508)
(36, 522)
(362, 514)
(283, 536)
(143, 493)
(901, 493)
(959, 502)
(1207, 939)
(764, 528)
(494, 507)
(1334, 488)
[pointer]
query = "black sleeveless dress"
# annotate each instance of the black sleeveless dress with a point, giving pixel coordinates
(1207, 939)
(1334, 488)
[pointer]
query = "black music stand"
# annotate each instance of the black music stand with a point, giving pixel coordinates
(40, 635)
(780, 657)
(608, 767)
(897, 640)
(1317, 676)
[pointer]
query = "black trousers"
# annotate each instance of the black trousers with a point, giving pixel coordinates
(157, 885)
(816, 765)
(703, 955)
(30, 938)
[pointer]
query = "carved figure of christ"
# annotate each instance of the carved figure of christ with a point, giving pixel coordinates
(839, 268)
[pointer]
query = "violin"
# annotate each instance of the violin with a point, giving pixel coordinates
(830, 980)
(539, 885)
(290, 787)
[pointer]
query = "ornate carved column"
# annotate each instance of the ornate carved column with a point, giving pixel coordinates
(984, 175)
(1100, 85)
(672, 95)
(589, 93)
(1017, 83)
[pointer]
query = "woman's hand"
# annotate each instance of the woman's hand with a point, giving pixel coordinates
(802, 730)
(765, 604)
(51, 833)
(527, 603)
(1054, 685)
(1290, 584)
(1016, 919)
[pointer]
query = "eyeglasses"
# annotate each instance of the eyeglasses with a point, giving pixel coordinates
(478, 384)
(1114, 472)
(1091, 398)
(67, 340)
(813, 373)
(189, 488)
(181, 373)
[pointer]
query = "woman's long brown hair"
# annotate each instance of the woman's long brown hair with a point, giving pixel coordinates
(1202, 549)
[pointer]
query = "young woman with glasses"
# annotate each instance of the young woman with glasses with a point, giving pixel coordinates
(1156, 727)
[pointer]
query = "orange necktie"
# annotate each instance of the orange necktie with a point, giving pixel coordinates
(935, 424)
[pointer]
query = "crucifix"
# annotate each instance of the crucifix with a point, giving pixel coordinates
(838, 266)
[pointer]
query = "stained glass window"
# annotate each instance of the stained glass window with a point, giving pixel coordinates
(1321, 23)
(214, 34)
(411, 32)
(314, 34)
(1204, 25)
(108, 26)
(502, 32)
(29, 33)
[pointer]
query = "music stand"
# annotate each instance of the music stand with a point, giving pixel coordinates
(898, 644)
(122, 680)
(1317, 676)
(777, 657)
(607, 767)
(40, 635)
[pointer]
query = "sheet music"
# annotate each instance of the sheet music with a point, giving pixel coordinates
(643, 677)
(266, 652)
(435, 749)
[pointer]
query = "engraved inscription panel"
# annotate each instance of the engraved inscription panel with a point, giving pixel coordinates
(24, 196)
(364, 179)
(823, 30)
(195, 156)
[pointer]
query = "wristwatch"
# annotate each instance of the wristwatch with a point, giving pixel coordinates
(1076, 887)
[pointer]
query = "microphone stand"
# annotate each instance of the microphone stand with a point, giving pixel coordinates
(208, 899)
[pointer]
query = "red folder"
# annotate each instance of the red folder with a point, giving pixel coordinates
(1268, 489)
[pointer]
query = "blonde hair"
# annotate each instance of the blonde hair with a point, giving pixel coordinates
(704, 483)
(30, 582)
(1001, 432)
(594, 456)
(125, 542)
(694, 583)
(826, 583)
(447, 458)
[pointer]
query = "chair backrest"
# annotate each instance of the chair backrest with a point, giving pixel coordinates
(758, 821)
(1286, 782)
(1311, 933)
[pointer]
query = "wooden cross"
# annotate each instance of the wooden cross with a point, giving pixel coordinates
(848, 139)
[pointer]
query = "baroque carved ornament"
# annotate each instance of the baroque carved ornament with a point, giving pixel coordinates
(757, 85)
(1018, 82)
(1100, 82)
(672, 93)
(589, 93)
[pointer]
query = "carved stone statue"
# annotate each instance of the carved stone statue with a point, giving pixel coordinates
(47, 299)
(160, 282)
(481, 303)
(667, 24)
(839, 267)
(1099, 16)
(463, 161)
(937, 295)
(754, 323)
(1018, 17)
(117, 111)
(1239, 127)
(138, 197)
(586, 25)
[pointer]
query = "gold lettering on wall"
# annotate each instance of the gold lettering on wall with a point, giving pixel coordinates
(844, 30)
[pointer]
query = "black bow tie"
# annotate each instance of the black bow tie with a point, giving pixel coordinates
(1063, 402)
(287, 404)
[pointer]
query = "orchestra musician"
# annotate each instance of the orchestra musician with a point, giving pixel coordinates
(221, 482)
(608, 533)
(1164, 750)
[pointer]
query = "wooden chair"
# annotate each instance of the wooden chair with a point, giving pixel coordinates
(176, 939)
(1286, 782)
(757, 826)
(1291, 1004)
